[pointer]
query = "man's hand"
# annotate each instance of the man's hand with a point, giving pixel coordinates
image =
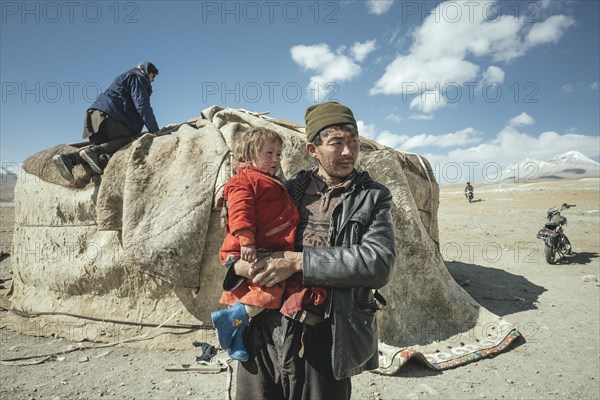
(248, 269)
(272, 269)
(277, 268)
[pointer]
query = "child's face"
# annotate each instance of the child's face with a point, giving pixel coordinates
(269, 157)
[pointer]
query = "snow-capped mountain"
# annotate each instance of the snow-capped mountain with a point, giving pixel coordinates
(571, 164)
(8, 180)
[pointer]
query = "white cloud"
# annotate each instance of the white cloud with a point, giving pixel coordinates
(467, 150)
(410, 75)
(390, 139)
(360, 51)
(522, 119)
(424, 117)
(365, 130)
(594, 86)
(448, 48)
(571, 130)
(493, 75)
(489, 158)
(567, 87)
(455, 139)
(393, 118)
(510, 145)
(428, 101)
(329, 67)
(379, 7)
(405, 142)
(548, 31)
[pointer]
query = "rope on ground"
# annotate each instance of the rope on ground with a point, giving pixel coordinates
(114, 321)
(229, 379)
(13, 361)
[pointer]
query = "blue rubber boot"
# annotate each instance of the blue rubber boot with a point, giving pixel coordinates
(226, 322)
(237, 350)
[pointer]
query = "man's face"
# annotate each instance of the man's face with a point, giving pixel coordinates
(336, 156)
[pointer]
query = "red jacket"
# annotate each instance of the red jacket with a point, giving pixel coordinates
(258, 202)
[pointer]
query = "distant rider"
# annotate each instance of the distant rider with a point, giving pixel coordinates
(468, 188)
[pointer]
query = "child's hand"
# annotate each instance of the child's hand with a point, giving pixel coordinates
(248, 253)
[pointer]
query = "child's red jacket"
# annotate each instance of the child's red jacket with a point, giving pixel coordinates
(258, 202)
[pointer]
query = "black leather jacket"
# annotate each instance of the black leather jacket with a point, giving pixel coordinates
(360, 259)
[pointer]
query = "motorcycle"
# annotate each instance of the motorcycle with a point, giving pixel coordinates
(469, 195)
(555, 241)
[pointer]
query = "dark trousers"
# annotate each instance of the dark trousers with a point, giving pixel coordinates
(106, 135)
(276, 371)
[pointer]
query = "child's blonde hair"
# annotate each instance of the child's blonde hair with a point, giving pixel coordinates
(250, 142)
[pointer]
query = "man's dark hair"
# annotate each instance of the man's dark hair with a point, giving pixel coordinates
(318, 140)
(147, 68)
(152, 69)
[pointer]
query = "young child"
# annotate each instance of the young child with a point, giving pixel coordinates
(261, 215)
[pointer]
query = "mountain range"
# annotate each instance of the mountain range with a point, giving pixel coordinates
(8, 180)
(569, 165)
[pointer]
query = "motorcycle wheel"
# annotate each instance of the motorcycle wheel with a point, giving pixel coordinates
(566, 245)
(549, 252)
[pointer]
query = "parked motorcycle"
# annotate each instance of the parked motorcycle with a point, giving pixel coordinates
(555, 241)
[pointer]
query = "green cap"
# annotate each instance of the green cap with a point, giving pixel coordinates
(320, 116)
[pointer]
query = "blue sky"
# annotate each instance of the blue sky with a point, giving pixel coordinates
(468, 84)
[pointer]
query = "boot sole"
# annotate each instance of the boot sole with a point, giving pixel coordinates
(62, 168)
(95, 167)
(239, 357)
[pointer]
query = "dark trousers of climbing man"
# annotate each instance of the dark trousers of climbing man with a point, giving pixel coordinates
(106, 135)
(275, 369)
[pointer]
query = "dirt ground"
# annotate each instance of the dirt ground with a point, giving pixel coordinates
(491, 250)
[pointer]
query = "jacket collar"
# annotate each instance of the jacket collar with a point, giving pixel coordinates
(243, 167)
(361, 178)
(139, 73)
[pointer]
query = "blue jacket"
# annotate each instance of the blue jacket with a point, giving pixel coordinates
(127, 100)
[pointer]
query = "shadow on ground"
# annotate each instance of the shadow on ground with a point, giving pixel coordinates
(499, 291)
(577, 258)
